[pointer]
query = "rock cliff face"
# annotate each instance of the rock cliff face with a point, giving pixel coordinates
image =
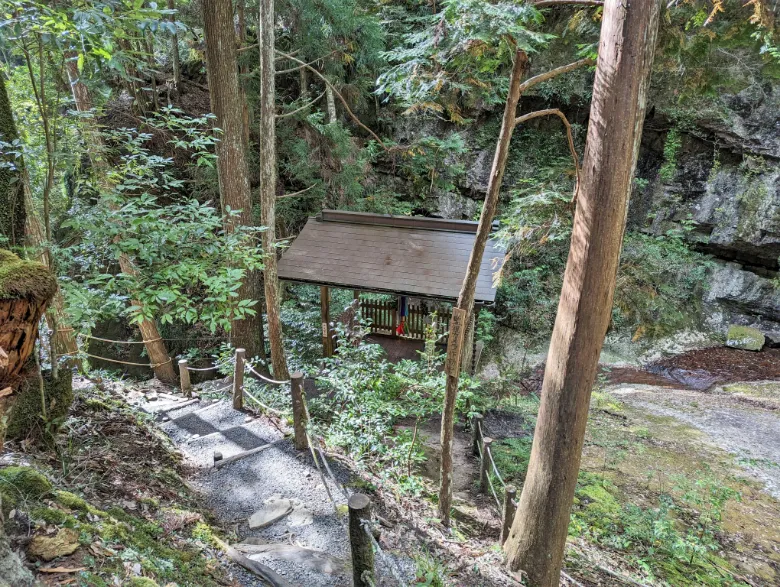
(724, 190)
(722, 187)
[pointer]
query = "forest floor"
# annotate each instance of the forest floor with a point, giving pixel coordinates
(145, 505)
(695, 436)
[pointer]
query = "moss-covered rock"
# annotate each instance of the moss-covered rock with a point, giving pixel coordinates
(25, 418)
(745, 338)
(19, 484)
(21, 279)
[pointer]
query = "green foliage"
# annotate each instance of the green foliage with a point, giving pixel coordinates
(364, 398)
(460, 57)
(675, 539)
(671, 152)
(660, 284)
(432, 165)
(188, 268)
(429, 571)
(660, 280)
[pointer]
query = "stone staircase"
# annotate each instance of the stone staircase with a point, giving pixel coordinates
(296, 545)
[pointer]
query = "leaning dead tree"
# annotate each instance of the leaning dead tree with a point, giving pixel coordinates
(538, 536)
(155, 346)
(465, 301)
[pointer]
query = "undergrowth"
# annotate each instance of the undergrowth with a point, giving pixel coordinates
(670, 537)
(126, 511)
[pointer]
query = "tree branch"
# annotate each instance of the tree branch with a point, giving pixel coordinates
(296, 68)
(548, 75)
(545, 3)
(569, 136)
(298, 193)
(351, 114)
(286, 114)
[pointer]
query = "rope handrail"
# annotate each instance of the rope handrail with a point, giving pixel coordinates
(495, 468)
(151, 365)
(263, 377)
(493, 491)
(216, 365)
(83, 335)
(490, 455)
(262, 405)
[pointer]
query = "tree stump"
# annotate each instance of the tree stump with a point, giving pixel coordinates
(26, 287)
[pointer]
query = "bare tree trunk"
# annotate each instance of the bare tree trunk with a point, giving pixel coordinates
(232, 166)
(467, 289)
(538, 536)
(331, 101)
(12, 208)
(304, 83)
(56, 316)
(155, 347)
(175, 51)
(268, 186)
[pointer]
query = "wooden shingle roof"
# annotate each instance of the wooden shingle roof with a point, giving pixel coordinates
(423, 257)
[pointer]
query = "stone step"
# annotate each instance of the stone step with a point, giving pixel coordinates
(204, 421)
(202, 404)
(229, 442)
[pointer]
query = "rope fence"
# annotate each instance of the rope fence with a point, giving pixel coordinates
(481, 447)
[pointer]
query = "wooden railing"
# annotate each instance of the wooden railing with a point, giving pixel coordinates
(383, 318)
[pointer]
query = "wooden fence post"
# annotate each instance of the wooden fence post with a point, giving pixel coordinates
(360, 542)
(299, 413)
(509, 511)
(238, 381)
(184, 378)
(484, 465)
(476, 437)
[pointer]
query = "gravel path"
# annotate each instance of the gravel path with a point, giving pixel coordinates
(237, 490)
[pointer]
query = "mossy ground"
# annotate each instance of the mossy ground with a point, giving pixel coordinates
(25, 418)
(656, 502)
(113, 480)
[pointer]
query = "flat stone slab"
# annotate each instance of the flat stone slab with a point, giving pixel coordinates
(274, 509)
(316, 560)
(745, 338)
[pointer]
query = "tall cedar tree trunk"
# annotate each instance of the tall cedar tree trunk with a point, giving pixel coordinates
(268, 185)
(12, 210)
(175, 59)
(232, 166)
(155, 347)
(467, 289)
(538, 536)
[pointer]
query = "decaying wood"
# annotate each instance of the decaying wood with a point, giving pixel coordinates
(265, 573)
(538, 536)
(218, 464)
